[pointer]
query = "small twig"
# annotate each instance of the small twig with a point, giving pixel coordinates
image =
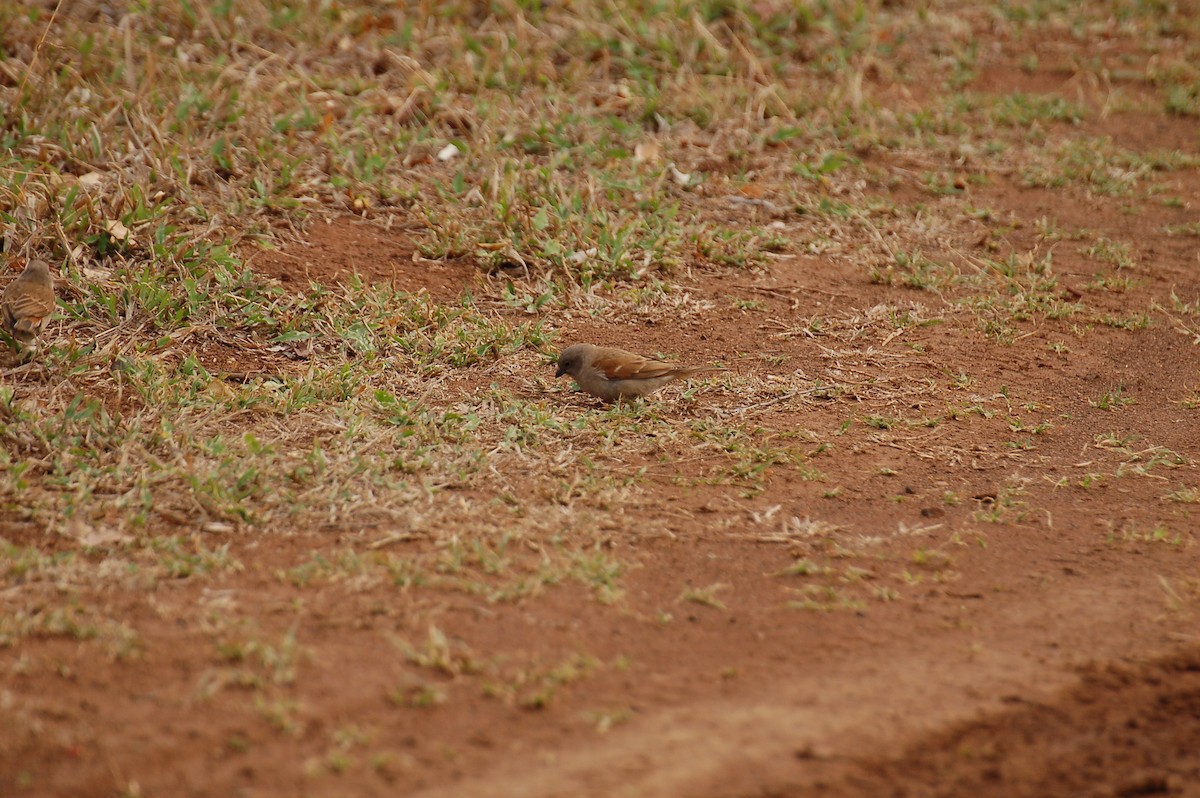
(243, 377)
(785, 397)
(26, 366)
(753, 201)
(770, 292)
(395, 537)
(799, 289)
(772, 537)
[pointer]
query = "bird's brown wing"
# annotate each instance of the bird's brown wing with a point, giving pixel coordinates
(619, 365)
(26, 310)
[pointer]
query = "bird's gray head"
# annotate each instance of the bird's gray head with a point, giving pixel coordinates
(571, 360)
(37, 270)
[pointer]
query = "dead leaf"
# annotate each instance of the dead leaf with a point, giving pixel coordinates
(647, 152)
(219, 391)
(118, 232)
(92, 536)
(681, 178)
(90, 181)
(580, 255)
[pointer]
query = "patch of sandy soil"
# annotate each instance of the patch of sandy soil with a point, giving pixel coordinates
(338, 248)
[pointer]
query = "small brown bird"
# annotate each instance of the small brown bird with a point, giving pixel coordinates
(28, 302)
(613, 374)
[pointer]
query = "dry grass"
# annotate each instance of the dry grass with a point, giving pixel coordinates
(589, 161)
(599, 152)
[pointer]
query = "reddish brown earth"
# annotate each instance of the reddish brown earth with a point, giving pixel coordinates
(1053, 650)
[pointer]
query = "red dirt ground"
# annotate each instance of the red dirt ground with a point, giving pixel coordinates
(1053, 652)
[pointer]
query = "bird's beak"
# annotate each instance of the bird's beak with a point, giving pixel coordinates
(561, 371)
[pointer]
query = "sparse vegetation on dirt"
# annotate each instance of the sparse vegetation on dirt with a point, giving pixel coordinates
(292, 502)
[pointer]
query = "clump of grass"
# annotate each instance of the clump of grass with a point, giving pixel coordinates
(1113, 399)
(705, 596)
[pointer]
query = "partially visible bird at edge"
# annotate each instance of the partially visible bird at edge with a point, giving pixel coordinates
(28, 303)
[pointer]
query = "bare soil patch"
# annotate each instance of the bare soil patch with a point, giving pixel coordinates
(1127, 729)
(335, 250)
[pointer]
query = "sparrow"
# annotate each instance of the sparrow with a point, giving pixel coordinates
(28, 302)
(614, 374)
